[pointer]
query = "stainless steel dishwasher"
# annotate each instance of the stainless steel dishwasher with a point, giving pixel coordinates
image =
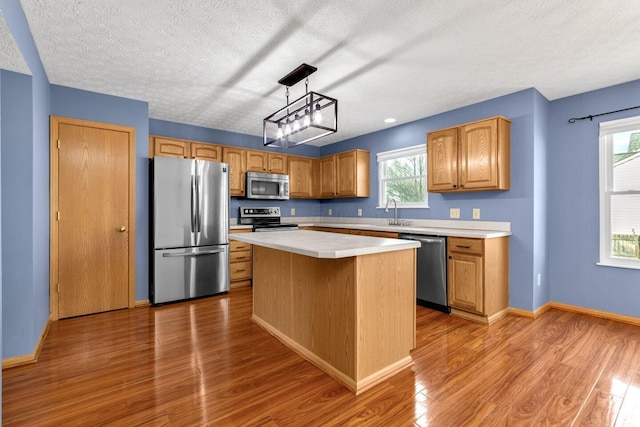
(431, 271)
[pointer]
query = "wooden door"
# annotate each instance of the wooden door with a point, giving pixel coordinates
(256, 161)
(93, 217)
(300, 172)
(442, 159)
(328, 176)
(466, 290)
(479, 155)
(237, 168)
(204, 151)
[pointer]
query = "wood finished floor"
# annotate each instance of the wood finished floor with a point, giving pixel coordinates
(205, 363)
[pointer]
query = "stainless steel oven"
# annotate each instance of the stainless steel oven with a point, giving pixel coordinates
(270, 186)
(264, 219)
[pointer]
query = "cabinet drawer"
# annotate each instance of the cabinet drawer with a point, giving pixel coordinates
(241, 270)
(237, 246)
(241, 256)
(464, 245)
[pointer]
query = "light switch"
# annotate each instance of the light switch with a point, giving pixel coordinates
(359, 212)
(454, 213)
(293, 211)
(476, 213)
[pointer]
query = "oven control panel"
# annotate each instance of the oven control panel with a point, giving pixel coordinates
(273, 212)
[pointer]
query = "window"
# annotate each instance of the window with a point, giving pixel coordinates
(402, 175)
(620, 193)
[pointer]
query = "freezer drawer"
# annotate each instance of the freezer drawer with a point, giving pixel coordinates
(185, 273)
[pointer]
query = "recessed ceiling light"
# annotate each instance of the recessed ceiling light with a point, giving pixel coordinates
(389, 120)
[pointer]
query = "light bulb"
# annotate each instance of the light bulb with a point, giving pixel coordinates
(306, 120)
(317, 115)
(279, 134)
(296, 123)
(287, 128)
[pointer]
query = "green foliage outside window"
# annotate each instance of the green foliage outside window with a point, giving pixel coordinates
(405, 179)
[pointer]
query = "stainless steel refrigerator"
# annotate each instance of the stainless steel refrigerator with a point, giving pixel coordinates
(189, 229)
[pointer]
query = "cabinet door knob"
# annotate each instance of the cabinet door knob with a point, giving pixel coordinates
(122, 229)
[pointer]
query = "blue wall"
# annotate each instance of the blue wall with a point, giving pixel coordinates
(81, 104)
(515, 206)
(32, 132)
(17, 232)
(574, 204)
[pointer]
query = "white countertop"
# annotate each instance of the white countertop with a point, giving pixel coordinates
(320, 244)
(426, 230)
(431, 231)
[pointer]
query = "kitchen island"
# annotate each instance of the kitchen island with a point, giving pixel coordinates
(344, 302)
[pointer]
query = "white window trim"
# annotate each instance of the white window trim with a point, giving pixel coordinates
(394, 154)
(607, 129)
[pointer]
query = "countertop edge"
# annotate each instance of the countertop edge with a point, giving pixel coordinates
(329, 254)
(428, 231)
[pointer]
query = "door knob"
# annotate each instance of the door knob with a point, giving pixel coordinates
(122, 229)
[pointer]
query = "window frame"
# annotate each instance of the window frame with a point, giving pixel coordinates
(384, 156)
(606, 192)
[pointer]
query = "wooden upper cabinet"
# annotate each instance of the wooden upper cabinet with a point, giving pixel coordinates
(236, 157)
(345, 174)
(470, 157)
(328, 176)
(171, 147)
(352, 174)
(301, 173)
(256, 161)
(277, 163)
(261, 161)
(204, 151)
(442, 157)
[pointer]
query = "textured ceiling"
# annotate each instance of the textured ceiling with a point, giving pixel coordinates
(10, 57)
(216, 63)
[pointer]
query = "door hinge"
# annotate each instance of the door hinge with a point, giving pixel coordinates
(58, 289)
(58, 144)
(58, 215)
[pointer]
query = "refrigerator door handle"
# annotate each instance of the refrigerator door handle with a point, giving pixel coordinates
(193, 197)
(186, 254)
(197, 212)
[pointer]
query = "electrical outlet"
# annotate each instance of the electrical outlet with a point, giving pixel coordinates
(330, 212)
(538, 279)
(454, 213)
(359, 212)
(293, 211)
(476, 213)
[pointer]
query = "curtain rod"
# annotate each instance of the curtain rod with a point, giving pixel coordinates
(590, 117)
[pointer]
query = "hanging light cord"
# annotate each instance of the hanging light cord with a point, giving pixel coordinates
(590, 117)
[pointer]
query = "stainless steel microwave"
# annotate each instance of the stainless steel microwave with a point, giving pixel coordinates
(271, 186)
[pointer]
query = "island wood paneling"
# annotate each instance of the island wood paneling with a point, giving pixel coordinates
(384, 332)
(204, 362)
(353, 317)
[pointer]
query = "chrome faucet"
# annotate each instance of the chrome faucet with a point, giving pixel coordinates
(395, 215)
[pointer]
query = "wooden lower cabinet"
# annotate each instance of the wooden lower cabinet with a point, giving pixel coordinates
(478, 278)
(241, 262)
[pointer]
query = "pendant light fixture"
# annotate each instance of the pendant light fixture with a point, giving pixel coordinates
(309, 117)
